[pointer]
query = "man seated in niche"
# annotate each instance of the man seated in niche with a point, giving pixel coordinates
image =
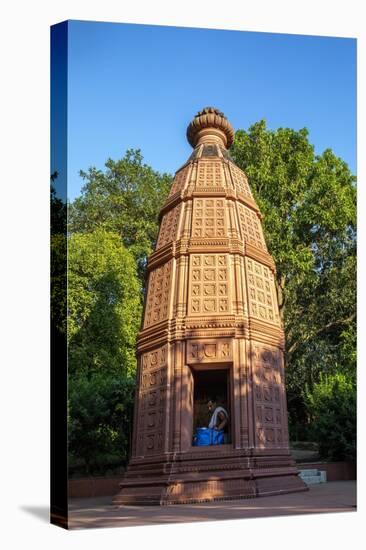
(219, 417)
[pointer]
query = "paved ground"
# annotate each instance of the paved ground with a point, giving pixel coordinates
(334, 496)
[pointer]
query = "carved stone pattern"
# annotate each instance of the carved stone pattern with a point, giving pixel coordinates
(208, 218)
(152, 400)
(261, 292)
(250, 226)
(240, 181)
(201, 351)
(267, 393)
(210, 174)
(209, 289)
(179, 181)
(169, 226)
(158, 294)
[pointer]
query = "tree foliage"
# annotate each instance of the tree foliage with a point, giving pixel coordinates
(125, 198)
(104, 304)
(104, 308)
(332, 405)
(100, 413)
(58, 218)
(112, 229)
(309, 207)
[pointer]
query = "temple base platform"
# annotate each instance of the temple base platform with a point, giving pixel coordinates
(201, 478)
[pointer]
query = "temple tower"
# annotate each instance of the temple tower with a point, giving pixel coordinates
(211, 326)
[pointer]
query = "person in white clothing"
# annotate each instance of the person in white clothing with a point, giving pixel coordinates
(219, 419)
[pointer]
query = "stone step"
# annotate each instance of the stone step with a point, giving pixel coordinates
(309, 472)
(311, 477)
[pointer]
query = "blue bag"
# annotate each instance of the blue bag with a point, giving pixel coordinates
(217, 437)
(202, 437)
(207, 436)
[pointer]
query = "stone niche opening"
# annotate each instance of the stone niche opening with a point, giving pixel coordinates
(210, 382)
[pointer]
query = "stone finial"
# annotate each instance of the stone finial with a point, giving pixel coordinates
(210, 125)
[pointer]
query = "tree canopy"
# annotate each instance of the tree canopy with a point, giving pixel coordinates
(104, 304)
(309, 207)
(125, 198)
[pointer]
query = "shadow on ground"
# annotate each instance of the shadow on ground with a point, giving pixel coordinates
(335, 496)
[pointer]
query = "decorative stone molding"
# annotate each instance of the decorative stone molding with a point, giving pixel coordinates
(209, 351)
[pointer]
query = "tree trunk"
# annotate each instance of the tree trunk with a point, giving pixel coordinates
(280, 289)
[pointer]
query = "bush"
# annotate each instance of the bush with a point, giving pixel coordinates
(331, 405)
(100, 420)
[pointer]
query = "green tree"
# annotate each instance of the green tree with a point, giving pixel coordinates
(332, 406)
(104, 310)
(113, 227)
(104, 305)
(125, 199)
(58, 218)
(100, 420)
(309, 207)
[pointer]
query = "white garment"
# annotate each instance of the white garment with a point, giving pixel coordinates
(213, 420)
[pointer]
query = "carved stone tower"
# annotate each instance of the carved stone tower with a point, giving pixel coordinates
(211, 326)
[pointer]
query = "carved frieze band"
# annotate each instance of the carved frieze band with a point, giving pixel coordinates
(195, 244)
(209, 351)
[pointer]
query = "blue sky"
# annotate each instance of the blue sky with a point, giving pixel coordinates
(140, 85)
